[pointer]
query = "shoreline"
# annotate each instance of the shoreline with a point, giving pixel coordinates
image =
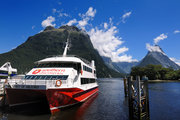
(158, 81)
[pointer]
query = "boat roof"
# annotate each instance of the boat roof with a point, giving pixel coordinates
(67, 58)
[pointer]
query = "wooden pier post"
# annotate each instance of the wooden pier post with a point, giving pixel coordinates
(130, 97)
(125, 87)
(138, 99)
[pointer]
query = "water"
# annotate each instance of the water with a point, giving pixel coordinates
(110, 104)
(164, 101)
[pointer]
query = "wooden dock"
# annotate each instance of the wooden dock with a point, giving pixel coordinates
(138, 98)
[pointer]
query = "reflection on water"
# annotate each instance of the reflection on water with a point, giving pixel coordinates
(110, 104)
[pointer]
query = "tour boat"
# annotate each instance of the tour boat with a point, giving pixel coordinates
(61, 81)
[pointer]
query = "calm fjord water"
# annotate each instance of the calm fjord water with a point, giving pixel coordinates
(110, 104)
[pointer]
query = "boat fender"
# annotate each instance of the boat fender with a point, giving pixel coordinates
(58, 83)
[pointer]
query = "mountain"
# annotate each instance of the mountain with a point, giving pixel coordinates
(111, 65)
(155, 56)
(126, 66)
(52, 42)
(158, 57)
(122, 67)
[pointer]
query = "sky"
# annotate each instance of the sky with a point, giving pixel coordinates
(123, 30)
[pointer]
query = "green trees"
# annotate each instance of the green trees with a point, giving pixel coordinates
(154, 72)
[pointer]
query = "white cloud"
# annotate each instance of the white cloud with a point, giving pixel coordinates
(89, 15)
(71, 22)
(122, 50)
(85, 18)
(91, 12)
(48, 22)
(155, 48)
(108, 44)
(159, 38)
(105, 25)
(176, 31)
(105, 40)
(126, 15)
(175, 60)
(82, 23)
(59, 13)
(33, 26)
(63, 14)
(54, 10)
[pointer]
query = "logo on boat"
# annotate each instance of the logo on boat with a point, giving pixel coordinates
(36, 71)
(49, 71)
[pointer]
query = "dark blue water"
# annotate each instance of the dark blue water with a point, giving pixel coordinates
(164, 101)
(110, 104)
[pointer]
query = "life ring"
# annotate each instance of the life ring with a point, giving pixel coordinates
(58, 83)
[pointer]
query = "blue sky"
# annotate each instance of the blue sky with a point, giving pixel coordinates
(125, 26)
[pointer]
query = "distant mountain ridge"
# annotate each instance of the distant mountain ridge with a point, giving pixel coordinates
(154, 56)
(52, 42)
(158, 58)
(122, 67)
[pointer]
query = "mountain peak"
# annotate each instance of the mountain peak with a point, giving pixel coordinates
(49, 28)
(155, 48)
(70, 28)
(156, 56)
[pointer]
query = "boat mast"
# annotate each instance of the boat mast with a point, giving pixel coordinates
(66, 47)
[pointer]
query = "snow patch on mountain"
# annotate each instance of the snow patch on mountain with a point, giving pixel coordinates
(154, 48)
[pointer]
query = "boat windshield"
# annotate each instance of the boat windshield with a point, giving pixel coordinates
(46, 77)
(67, 65)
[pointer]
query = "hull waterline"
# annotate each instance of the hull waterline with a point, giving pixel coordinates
(55, 99)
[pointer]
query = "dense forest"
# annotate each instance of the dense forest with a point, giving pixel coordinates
(154, 72)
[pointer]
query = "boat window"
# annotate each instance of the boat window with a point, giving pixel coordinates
(87, 80)
(3, 72)
(32, 77)
(46, 77)
(26, 77)
(53, 78)
(3, 77)
(41, 77)
(67, 65)
(85, 68)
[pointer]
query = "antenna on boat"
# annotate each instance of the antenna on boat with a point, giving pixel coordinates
(66, 47)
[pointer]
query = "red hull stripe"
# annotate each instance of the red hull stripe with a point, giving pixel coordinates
(79, 96)
(86, 95)
(54, 109)
(84, 92)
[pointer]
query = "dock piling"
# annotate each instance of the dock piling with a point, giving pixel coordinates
(125, 87)
(138, 98)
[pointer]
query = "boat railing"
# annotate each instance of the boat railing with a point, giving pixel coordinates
(46, 83)
(84, 60)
